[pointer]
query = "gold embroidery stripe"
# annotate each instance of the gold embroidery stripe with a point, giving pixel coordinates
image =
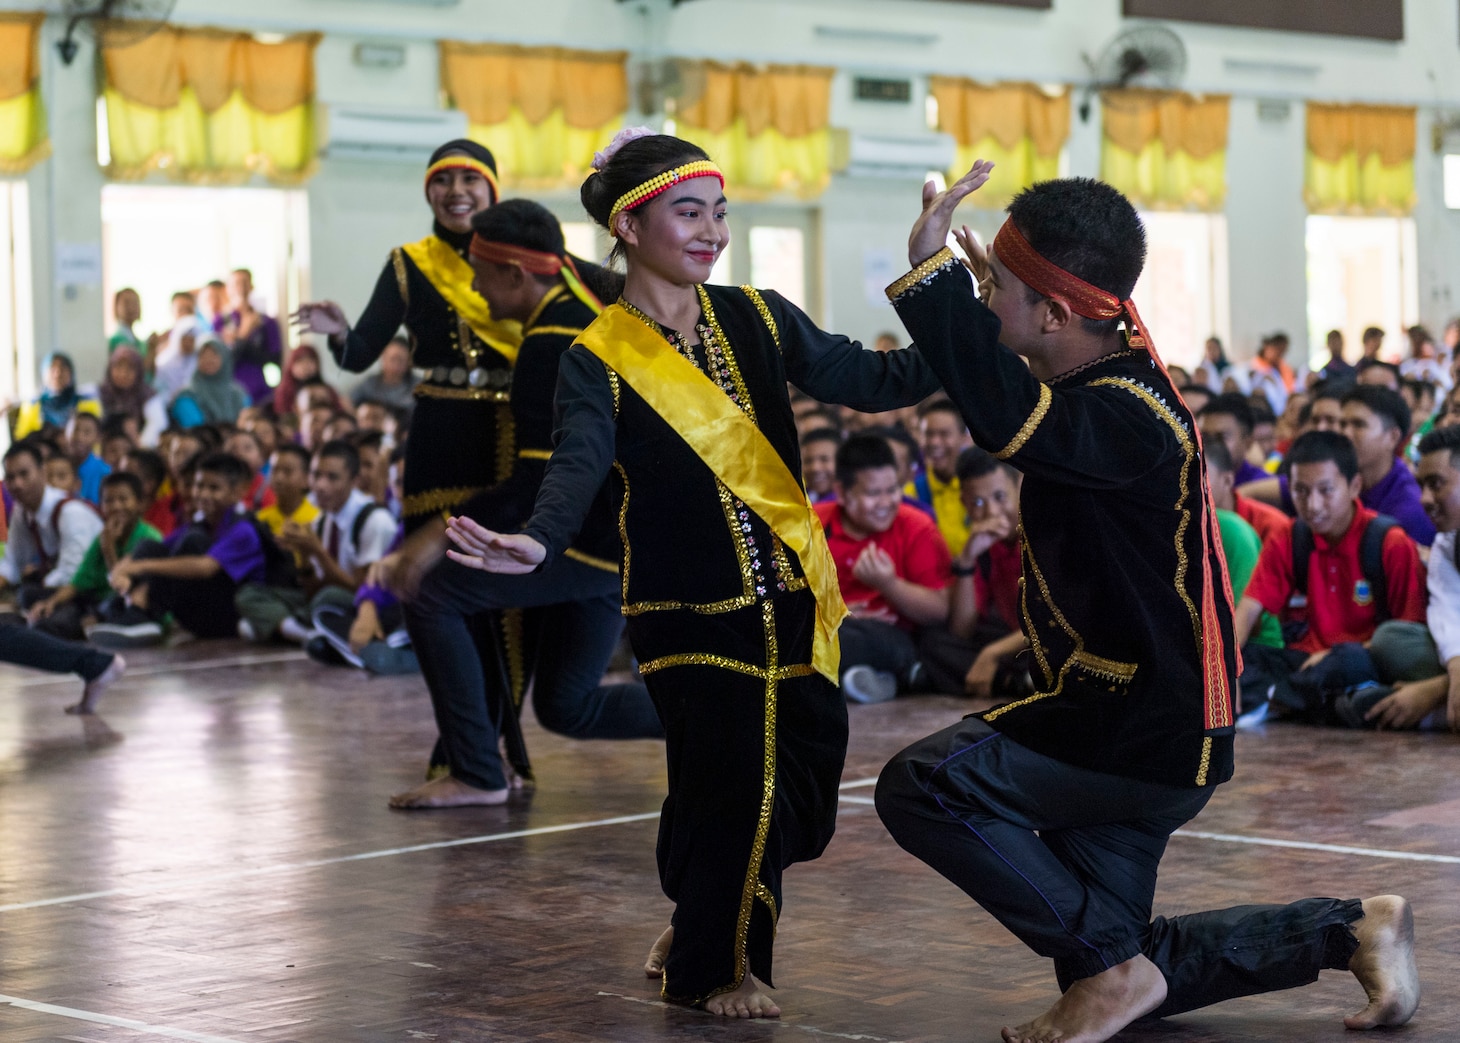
(506, 442)
(712, 608)
(700, 659)
(918, 274)
(534, 454)
(589, 559)
(563, 331)
(398, 262)
(1206, 761)
(470, 394)
(1035, 418)
(433, 500)
(1107, 668)
(765, 313)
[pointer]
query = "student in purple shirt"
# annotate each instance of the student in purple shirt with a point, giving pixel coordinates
(1229, 417)
(1376, 420)
(194, 573)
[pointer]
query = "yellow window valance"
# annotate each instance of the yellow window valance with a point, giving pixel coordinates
(210, 107)
(1166, 151)
(542, 111)
(24, 141)
(1360, 159)
(765, 126)
(1019, 126)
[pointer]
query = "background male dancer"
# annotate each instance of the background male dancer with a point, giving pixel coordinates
(1053, 812)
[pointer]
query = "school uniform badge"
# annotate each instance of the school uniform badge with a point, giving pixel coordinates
(1363, 593)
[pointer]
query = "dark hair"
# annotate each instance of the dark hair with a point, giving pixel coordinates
(294, 449)
(241, 433)
(862, 453)
(114, 424)
(940, 405)
(1087, 228)
(90, 418)
(367, 440)
(899, 434)
(831, 416)
(150, 463)
(26, 447)
(340, 449)
(1235, 406)
(1419, 388)
(1317, 447)
(1305, 414)
(1218, 456)
(1334, 388)
(520, 222)
(1261, 412)
(975, 462)
(1388, 367)
(118, 295)
(1387, 405)
(63, 458)
(821, 434)
(635, 162)
(1440, 439)
(227, 466)
(131, 481)
(1371, 332)
(46, 444)
(244, 271)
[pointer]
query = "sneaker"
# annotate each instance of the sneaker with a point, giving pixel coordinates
(862, 684)
(1351, 707)
(322, 652)
(334, 626)
(246, 630)
(128, 628)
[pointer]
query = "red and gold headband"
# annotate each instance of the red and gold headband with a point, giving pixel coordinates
(535, 262)
(465, 163)
(662, 183)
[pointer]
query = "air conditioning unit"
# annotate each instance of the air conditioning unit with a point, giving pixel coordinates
(403, 135)
(907, 157)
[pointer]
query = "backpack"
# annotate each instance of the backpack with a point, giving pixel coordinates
(280, 569)
(1371, 559)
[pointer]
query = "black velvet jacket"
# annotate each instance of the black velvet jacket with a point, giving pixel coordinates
(1134, 662)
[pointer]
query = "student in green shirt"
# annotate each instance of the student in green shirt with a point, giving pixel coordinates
(127, 308)
(1241, 545)
(123, 528)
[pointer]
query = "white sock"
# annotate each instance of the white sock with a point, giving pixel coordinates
(293, 630)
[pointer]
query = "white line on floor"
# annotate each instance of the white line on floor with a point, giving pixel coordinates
(170, 668)
(767, 1022)
(1305, 845)
(851, 798)
(107, 1019)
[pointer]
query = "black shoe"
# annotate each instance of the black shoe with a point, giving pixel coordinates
(321, 651)
(1351, 707)
(127, 627)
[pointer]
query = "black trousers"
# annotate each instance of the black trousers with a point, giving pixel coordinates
(575, 609)
(204, 607)
(755, 741)
(882, 646)
(1066, 859)
(41, 651)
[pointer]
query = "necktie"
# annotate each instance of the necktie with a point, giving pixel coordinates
(332, 540)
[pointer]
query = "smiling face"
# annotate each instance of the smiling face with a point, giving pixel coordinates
(455, 194)
(1324, 498)
(680, 234)
(1439, 485)
(869, 504)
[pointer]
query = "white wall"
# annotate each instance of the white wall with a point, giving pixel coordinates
(359, 211)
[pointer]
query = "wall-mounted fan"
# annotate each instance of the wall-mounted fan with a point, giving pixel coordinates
(122, 22)
(1145, 56)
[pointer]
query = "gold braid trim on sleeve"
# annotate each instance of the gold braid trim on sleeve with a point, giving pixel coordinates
(398, 262)
(1046, 396)
(922, 273)
(433, 500)
(536, 454)
(588, 559)
(765, 312)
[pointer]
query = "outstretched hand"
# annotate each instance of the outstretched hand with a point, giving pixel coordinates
(976, 259)
(930, 231)
(325, 317)
(489, 551)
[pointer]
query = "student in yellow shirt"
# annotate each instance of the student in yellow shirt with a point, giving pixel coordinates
(942, 435)
(289, 478)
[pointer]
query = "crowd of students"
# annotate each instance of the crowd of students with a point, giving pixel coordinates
(249, 509)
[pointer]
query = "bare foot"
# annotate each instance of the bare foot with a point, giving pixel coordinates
(748, 1001)
(1097, 1007)
(97, 686)
(1384, 963)
(654, 965)
(447, 792)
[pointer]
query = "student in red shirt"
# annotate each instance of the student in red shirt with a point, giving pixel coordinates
(893, 569)
(1329, 624)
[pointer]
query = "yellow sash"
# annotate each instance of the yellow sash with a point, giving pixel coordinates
(444, 268)
(733, 448)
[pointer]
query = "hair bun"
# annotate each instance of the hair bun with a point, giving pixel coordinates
(622, 138)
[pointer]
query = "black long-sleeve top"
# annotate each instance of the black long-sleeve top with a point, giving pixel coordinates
(688, 542)
(1134, 652)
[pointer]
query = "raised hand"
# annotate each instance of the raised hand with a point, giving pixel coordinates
(489, 551)
(930, 231)
(976, 259)
(325, 317)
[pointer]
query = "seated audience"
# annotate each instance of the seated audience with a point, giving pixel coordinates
(340, 428)
(374, 474)
(122, 530)
(124, 391)
(83, 438)
(1229, 418)
(289, 484)
(1264, 434)
(194, 573)
(245, 446)
(173, 366)
(1242, 541)
(1376, 421)
(151, 471)
(116, 441)
(817, 418)
(1336, 368)
(394, 385)
(49, 529)
(818, 463)
(251, 336)
(942, 435)
(301, 371)
(372, 416)
(212, 396)
(127, 311)
(373, 637)
(1379, 374)
(1343, 571)
(1270, 374)
(58, 401)
(61, 472)
(893, 569)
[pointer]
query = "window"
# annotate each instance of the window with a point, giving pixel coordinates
(1182, 294)
(773, 248)
(1361, 273)
(17, 328)
(159, 240)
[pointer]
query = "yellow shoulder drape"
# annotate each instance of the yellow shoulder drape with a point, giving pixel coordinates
(24, 141)
(1360, 159)
(210, 107)
(765, 127)
(1166, 151)
(1019, 126)
(542, 111)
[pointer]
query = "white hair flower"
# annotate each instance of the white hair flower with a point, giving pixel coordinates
(622, 138)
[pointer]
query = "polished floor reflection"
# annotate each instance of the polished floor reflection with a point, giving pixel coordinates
(211, 859)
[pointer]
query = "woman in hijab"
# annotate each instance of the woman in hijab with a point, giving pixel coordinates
(58, 399)
(302, 370)
(213, 397)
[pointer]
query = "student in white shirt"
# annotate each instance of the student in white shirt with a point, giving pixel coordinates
(49, 529)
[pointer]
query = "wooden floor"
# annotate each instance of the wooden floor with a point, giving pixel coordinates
(211, 859)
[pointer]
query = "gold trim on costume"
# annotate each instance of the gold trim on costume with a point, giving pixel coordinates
(1041, 408)
(924, 271)
(425, 390)
(1206, 760)
(553, 294)
(433, 500)
(534, 454)
(589, 559)
(506, 442)
(1109, 669)
(451, 276)
(765, 313)
(615, 387)
(398, 262)
(563, 331)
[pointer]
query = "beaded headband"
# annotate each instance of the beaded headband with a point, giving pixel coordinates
(662, 183)
(465, 163)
